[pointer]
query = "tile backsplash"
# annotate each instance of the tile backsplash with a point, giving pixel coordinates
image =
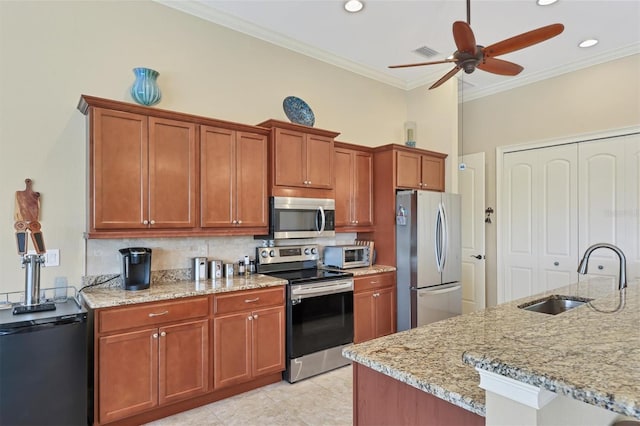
(104, 258)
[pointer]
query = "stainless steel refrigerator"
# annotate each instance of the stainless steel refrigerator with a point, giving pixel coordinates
(428, 257)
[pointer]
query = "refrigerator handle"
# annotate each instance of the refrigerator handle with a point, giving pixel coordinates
(445, 236)
(438, 238)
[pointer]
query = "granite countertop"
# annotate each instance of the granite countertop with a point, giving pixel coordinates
(373, 269)
(105, 297)
(587, 355)
(169, 288)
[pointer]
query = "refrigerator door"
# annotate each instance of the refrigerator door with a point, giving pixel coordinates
(429, 239)
(452, 239)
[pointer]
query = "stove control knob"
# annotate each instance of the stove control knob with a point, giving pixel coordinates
(307, 251)
(264, 253)
(314, 251)
(272, 253)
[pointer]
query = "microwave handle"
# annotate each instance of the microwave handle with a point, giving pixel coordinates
(323, 220)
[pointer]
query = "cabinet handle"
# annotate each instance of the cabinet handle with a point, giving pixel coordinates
(251, 300)
(250, 318)
(556, 263)
(153, 222)
(164, 333)
(309, 182)
(373, 282)
(255, 316)
(155, 335)
(239, 222)
(234, 221)
(145, 222)
(151, 315)
(376, 294)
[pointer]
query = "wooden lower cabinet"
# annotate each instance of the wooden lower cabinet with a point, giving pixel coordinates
(248, 343)
(374, 306)
(142, 369)
(382, 400)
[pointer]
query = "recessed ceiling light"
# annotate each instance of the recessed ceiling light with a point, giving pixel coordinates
(545, 2)
(588, 42)
(353, 6)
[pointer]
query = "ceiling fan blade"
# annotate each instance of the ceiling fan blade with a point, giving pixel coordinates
(444, 78)
(444, 61)
(498, 66)
(523, 40)
(464, 38)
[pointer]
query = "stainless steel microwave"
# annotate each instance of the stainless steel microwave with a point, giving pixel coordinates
(347, 256)
(294, 217)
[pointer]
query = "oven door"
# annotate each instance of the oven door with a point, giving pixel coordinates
(302, 217)
(319, 317)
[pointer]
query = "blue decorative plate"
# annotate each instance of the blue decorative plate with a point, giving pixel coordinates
(298, 111)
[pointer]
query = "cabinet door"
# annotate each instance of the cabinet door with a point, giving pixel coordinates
(217, 177)
(432, 173)
(127, 374)
(319, 161)
(172, 174)
(183, 361)
(343, 186)
(231, 349)
(268, 341)
(362, 200)
(385, 312)
(408, 166)
(119, 152)
(251, 178)
(290, 160)
(363, 317)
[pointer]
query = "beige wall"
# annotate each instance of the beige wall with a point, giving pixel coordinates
(51, 52)
(598, 98)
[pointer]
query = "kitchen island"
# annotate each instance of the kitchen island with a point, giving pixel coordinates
(589, 354)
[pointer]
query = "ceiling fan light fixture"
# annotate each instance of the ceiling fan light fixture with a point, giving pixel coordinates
(353, 6)
(545, 2)
(590, 42)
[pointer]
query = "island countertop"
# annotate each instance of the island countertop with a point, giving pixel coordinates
(584, 354)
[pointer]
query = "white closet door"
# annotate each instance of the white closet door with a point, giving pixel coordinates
(540, 238)
(602, 202)
(557, 216)
(520, 262)
(632, 205)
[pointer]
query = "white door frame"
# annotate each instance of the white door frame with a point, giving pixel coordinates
(501, 150)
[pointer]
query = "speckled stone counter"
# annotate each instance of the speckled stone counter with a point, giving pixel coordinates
(374, 269)
(585, 354)
(105, 297)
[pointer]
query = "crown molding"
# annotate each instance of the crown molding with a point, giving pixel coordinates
(201, 10)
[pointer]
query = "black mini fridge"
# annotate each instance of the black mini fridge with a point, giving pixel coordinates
(43, 366)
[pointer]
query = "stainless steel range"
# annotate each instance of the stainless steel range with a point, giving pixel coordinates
(319, 309)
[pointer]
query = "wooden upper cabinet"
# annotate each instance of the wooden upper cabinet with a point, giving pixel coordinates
(144, 172)
(353, 187)
(155, 173)
(119, 185)
(301, 160)
(233, 179)
(417, 169)
(172, 174)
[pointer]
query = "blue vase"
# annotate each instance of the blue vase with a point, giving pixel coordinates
(145, 89)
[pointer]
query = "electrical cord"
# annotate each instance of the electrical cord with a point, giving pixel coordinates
(98, 283)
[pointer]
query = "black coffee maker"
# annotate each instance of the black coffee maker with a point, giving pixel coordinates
(136, 268)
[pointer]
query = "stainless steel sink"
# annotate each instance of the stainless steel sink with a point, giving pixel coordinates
(554, 304)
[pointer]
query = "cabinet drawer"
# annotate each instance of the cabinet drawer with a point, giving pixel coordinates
(152, 314)
(248, 300)
(371, 282)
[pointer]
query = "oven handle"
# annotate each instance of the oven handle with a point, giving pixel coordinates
(303, 293)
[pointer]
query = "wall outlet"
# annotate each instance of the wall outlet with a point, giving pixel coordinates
(51, 257)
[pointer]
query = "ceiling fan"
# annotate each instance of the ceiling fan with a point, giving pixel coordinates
(470, 55)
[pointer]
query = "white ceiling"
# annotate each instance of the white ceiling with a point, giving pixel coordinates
(387, 31)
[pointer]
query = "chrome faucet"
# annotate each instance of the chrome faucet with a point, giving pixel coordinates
(622, 276)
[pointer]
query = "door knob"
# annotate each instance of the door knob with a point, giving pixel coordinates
(477, 256)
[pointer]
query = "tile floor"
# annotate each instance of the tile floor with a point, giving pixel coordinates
(321, 400)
